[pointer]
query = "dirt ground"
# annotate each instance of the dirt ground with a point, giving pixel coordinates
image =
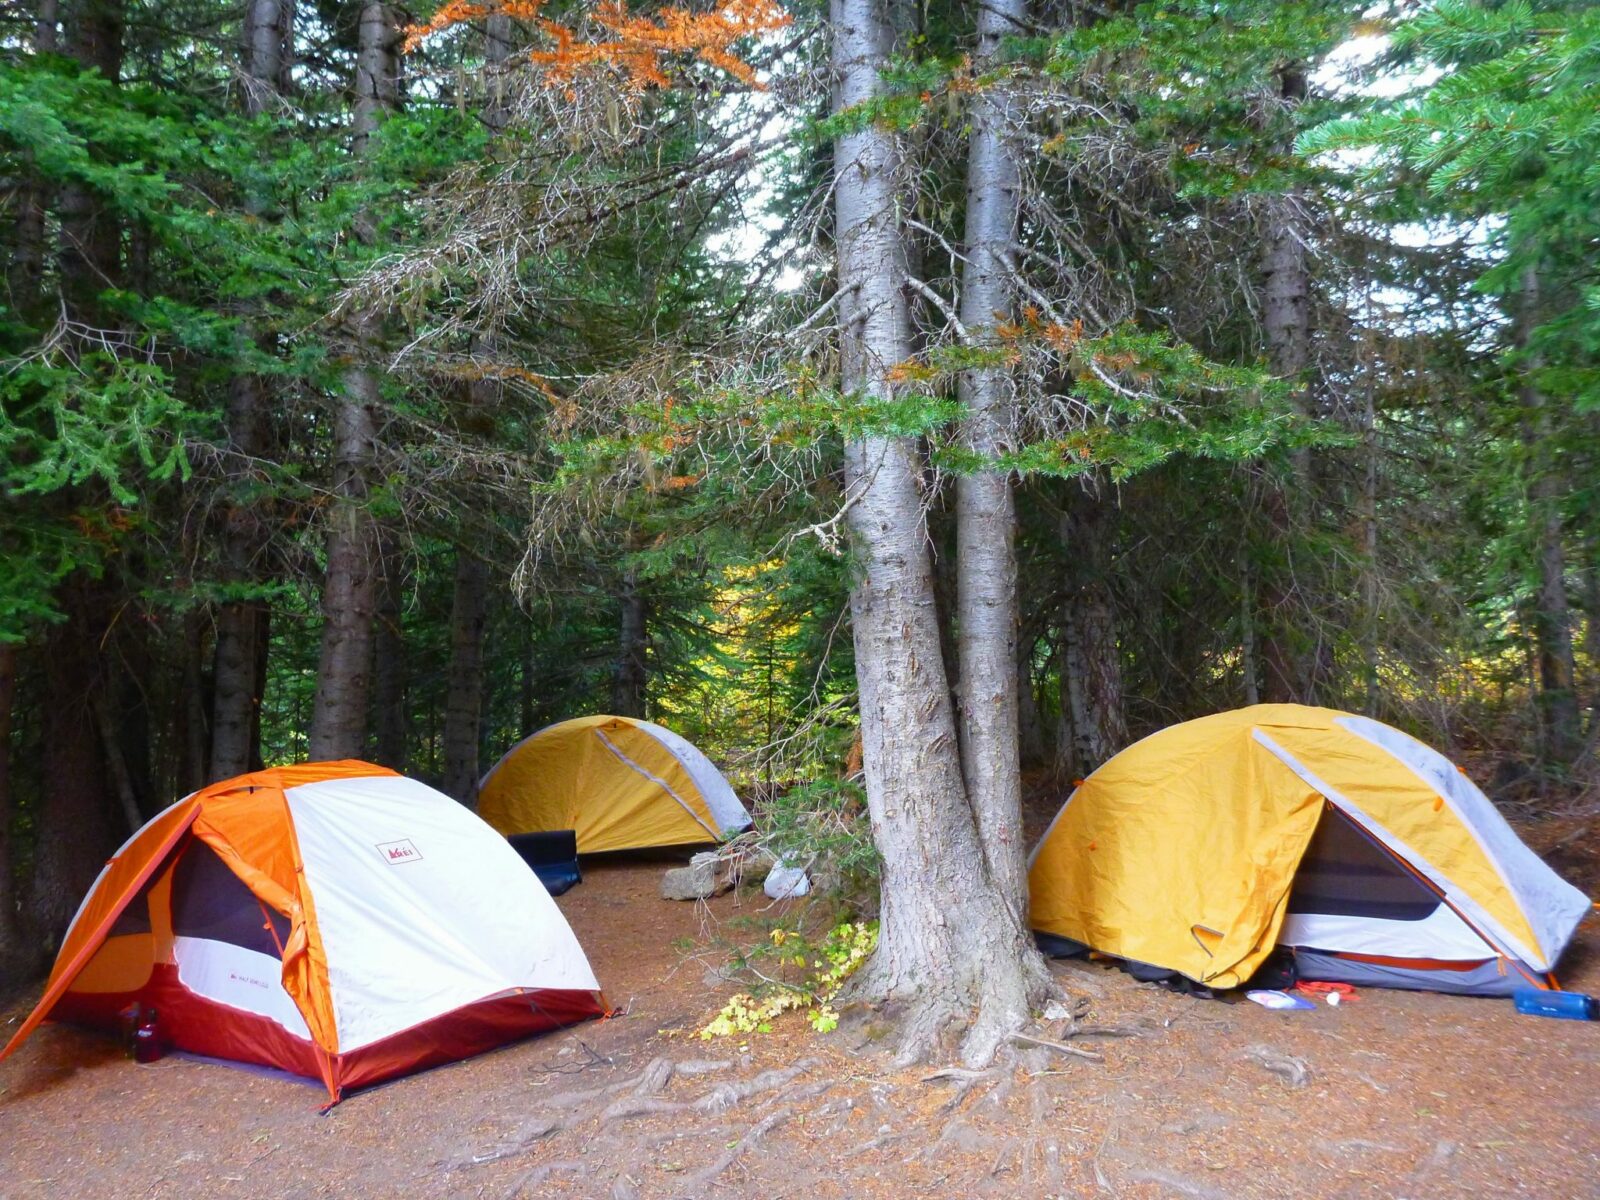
(1409, 1095)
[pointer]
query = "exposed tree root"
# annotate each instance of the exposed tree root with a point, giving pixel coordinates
(1295, 1072)
(538, 1174)
(965, 1081)
(725, 1160)
(1059, 1047)
(719, 1099)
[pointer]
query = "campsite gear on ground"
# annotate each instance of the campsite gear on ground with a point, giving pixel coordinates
(1272, 998)
(147, 1038)
(1334, 993)
(621, 784)
(1571, 1006)
(334, 920)
(553, 857)
(1203, 847)
(128, 1026)
(784, 882)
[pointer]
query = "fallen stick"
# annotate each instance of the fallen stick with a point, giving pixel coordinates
(1060, 1047)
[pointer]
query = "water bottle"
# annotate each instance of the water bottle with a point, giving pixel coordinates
(1571, 1006)
(128, 1026)
(147, 1038)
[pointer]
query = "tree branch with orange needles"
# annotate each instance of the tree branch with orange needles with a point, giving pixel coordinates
(640, 47)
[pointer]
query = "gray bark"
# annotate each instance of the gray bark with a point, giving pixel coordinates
(1286, 651)
(1591, 641)
(986, 578)
(90, 248)
(15, 956)
(1560, 723)
(1091, 658)
(349, 592)
(464, 698)
(952, 951)
(391, 725)
(339, 714)
(25, 271)
(240, 655)
(463, 716)
(269, 53)
(630, 676)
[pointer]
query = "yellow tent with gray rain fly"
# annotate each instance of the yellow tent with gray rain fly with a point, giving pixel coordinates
(620, 783)
(1373, 857)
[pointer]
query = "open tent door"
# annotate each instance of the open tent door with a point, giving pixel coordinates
(1358, 915)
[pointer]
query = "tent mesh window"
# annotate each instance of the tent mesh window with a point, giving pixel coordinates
(210, 901)
(135, 918)
(1345, 873)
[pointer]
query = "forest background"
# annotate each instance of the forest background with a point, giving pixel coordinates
(389, 383)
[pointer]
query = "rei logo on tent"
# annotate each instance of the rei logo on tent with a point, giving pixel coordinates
(399, 852)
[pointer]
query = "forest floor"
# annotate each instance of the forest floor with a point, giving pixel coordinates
(1407, 1095)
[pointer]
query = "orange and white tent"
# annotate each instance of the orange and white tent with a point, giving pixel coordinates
(335, 920)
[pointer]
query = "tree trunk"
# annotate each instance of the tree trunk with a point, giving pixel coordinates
(1286, 318)
(78, 819)
(191, 769)
(1559, 722)
(1092, 658)
(339, 711)
(463, 716)
(464, 701)
(986, 566)
(338, 718)
(17, 959)
(391, 684)
(90, 248)
(952, 950)
(1032, 750)
(1591, 634)
(525, 681)
(630, 677)
(239, 654)
(243, 621)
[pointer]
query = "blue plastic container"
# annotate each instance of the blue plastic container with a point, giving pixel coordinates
(1572, 1006)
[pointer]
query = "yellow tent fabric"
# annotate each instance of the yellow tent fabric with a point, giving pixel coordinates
(1180, 851)
(619, 783)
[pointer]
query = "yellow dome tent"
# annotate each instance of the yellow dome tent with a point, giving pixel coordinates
(1204, 846)
(620, 783)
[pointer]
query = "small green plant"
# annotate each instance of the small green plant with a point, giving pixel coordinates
(824, 967)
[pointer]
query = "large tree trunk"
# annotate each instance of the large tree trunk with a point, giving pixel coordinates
(986, 567)
(391, 682)
(79, 820)
(338, 718)
(463, 713)
(76, 814)
(630, 676)
(240, 651)
(1091, 657)
(952, 951)
(17, 960)
(25, 272)
(1286, 651)
(349, 592)
(1560, 725)
(239, 657)
(1591, 636)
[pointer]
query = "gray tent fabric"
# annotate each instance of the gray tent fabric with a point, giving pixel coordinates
(1483, 979)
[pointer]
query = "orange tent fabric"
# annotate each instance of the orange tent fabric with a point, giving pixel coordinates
(124, 945)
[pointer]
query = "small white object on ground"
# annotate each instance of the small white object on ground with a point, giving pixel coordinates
(785, 882)
(1275, 999)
